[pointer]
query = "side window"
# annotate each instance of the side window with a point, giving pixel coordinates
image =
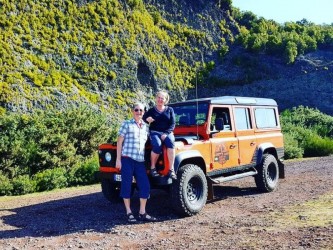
(265, 118)
(242, 118)
(221, 113)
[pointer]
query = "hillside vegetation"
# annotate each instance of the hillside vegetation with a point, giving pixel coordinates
(104, 53)
(108, 53)
(287, 41)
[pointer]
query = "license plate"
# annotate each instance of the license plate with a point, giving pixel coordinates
(117, 177)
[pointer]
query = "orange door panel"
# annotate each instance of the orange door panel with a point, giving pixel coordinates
(274, 137)
(224, 150)
(247, 146)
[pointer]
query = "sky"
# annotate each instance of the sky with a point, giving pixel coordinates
(281, 11)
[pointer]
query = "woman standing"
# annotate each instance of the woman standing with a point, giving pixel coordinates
(161, 119)
(133, 135)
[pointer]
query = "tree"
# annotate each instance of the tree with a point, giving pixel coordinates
(290, 53)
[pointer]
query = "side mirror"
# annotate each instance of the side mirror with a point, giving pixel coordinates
(219, 124)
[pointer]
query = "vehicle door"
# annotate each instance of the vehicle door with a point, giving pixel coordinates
(267, 127)
(224, 144)
(245, 135)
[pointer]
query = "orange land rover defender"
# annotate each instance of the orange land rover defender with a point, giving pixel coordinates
(218, 139)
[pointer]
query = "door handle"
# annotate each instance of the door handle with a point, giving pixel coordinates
(252, 143)
(232, 146)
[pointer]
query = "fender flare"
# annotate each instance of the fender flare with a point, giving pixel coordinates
(191, 154)
(261, 150)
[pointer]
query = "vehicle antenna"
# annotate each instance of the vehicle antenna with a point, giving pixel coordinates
(197, 103)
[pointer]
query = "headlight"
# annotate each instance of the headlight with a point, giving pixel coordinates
(108, 156)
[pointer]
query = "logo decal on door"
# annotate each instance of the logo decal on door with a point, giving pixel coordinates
(221, 154)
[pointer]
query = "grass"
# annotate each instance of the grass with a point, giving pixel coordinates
(11, 202)
(317, 212)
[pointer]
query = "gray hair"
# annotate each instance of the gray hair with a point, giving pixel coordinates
(138, 104)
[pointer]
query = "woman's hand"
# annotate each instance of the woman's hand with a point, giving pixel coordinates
(150, 119)
(118, 164)
(163, 136)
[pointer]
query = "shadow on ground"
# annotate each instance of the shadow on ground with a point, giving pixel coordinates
(224, 192)
(91, 212)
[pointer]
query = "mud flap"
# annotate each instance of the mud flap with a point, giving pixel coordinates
(281, 170)
(210, 195)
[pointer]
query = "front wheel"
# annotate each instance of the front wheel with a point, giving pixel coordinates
(189, 192)
(268, 174)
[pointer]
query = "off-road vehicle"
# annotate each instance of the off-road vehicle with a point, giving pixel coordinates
(217, 140)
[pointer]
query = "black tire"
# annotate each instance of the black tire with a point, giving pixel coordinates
(189, 192)
(268, 174)
(111, 190)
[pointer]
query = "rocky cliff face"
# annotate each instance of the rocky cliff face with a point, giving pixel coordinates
(308, 82)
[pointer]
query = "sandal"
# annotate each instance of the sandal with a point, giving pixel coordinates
(131, 218)
(147, 217)
(154, 173)
(172, 174)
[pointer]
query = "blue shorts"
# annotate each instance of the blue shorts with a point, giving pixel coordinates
(130, 168)
(156, 142)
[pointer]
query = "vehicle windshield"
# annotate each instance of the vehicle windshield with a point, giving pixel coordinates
(190, 114)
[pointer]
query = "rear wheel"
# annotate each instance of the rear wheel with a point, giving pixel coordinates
(189, 192)
(268, 174)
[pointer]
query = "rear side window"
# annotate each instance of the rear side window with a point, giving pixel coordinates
(265, 118)
(242, 118)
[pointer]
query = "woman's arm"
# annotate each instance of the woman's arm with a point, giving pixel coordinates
(172, 120)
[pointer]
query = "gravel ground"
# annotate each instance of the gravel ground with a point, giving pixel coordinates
(298, 215)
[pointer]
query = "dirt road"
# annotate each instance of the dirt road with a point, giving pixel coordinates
(299, 215)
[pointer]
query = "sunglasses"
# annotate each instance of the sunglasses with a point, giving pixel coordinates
(137, 110)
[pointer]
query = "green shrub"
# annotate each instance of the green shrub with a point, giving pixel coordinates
(135, 4)
(309, 118)
(6, 187)
(31, 145)
(51, 179)
(290, 52)
(45, 139)
(23, 185)
(156, 17)
(291, 147)
(223, 51)
(317, 146)
(307, 131)
(84, 174)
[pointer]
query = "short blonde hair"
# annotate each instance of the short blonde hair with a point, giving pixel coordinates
(166, 95)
